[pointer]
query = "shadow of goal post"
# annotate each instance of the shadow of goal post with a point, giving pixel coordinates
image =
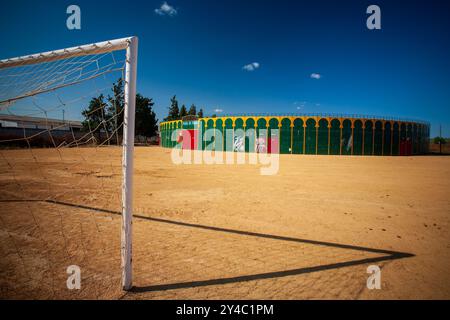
(129, 44)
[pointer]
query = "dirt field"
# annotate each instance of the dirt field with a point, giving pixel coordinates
(225, 232)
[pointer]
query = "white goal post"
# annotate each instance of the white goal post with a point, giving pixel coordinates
(51, 78)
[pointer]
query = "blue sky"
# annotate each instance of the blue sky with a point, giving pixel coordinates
(198, 50)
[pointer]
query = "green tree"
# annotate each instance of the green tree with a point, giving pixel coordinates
(183, 111)
(116, 107)
(440, 141)
(192, 110)
(146, 122)
(95, 117)
(108, 116)
(200, 113)
(174, 111)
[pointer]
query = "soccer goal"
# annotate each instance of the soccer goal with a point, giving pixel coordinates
(56, 107)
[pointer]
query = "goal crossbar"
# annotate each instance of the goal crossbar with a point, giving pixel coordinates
(49, 56)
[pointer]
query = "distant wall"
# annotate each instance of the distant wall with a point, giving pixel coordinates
(309, 135)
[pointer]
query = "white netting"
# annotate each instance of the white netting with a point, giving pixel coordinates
(61, 128)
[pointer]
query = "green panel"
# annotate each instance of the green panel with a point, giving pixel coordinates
(409, 135)
(322, 140)
(421, 138)
(170, 136)
(261, 136)
(395, 139)
(201, 131)
(285, 136)
(335, 137)
(172, 130)
(297, 137)
(310, 142)
(368, 138)
(219, 135)
(378, 140)
(415, 140)
(167, 132)
(239, 135)
(228, 126)
(250, 135)
(387, 139)
(402, 132)
(357, 138)
(347, 139)
(409, 132)
(167, 136)
(273, 125)
(209, 126)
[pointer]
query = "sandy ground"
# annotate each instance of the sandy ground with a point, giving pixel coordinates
(223, 231)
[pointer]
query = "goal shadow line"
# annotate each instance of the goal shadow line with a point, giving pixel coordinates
(388, 255)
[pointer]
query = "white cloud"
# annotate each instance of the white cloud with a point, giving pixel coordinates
(217, 110)
(316, 76)
(300, 104)
(251, 66)
(166, 9)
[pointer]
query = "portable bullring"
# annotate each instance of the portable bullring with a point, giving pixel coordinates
(305, 134)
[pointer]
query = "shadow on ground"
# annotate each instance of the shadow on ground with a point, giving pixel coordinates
(386, 255)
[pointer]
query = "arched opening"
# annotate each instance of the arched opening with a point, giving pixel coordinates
(285, 136)
(387, 139)
(357, 137)
(239, 136)
(219, 135)
(368, 138)
(250, 135)
(298, 136)
(409, 139)
(403, 139)
(310, 142)
(228, 135)
(378, 139)
(322, 138)
(335, 137)
(274, 134)
(347, 138)
(414, 139)
(261, 136)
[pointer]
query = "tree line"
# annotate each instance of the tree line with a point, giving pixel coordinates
(176, 113)
(105, 114)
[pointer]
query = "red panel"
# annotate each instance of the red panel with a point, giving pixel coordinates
(274, 145)
(408, 148)
(403, 148)
(189, 139)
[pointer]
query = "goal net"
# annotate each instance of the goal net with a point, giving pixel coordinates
(66, 153)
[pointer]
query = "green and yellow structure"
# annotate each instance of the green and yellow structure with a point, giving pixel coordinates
(314, 134)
